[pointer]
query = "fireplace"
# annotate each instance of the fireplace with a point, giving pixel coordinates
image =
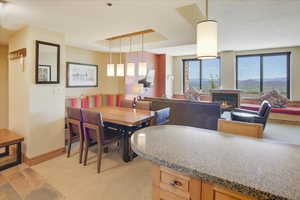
(228, 99)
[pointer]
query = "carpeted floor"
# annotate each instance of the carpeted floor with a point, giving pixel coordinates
(117, 180)
(283, 133)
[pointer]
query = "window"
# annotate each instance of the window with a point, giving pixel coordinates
(201, 74)
(262, 73)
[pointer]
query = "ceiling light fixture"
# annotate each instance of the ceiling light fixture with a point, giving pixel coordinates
(110, 66)
(130, 71)
(120, 66)
(142, 64)
(207, 38)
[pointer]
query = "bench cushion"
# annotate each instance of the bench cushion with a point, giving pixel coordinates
(287, 110)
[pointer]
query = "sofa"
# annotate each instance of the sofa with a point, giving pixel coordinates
(188, 113)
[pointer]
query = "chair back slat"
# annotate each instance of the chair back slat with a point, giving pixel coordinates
(74, 120)
(93, 125)
(162, 116)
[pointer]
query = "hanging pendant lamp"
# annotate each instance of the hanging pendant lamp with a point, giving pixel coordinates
(142, 64)
(207, 38)
(130, 70)
(110, 67)
(120, 66)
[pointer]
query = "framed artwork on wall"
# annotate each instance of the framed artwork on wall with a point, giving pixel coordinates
(44, 73)
(81, 75)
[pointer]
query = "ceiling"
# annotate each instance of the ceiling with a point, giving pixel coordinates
(243, 24)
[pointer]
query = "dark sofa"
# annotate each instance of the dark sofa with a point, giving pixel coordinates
(187, 113)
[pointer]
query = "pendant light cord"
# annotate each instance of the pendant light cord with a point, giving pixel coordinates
(142, 46)
(109, 46)
(130, 50)
(120, 50)
(206, 9)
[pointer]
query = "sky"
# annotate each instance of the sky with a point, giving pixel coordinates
(249, 67)
(209, 67)
(273, 66)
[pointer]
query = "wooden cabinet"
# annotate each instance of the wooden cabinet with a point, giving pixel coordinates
(213, 192)
(171, 185)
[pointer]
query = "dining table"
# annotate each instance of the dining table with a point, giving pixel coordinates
(127, 120)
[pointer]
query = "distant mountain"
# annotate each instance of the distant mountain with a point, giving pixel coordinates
(250, 85)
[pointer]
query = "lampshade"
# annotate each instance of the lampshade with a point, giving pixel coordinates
(130, 69)
(110, 70)
(120, 69)
(207, 39)
(142, 69)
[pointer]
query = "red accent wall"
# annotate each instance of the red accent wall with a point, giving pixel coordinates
(157, 62)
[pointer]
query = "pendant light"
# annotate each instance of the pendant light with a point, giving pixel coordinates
(130, 71)
(110, 67)
(120, 66)
(142, 65)
(207, 38)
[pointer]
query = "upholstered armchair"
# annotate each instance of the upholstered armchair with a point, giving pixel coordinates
(252, 116)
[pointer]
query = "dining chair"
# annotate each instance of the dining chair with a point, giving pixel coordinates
(75, 131)
(94, 130)
(241, 128)
(143, 105)
(162, 116)
(126, 103)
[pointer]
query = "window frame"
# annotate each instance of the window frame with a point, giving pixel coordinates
(200, 65)
(261, 56)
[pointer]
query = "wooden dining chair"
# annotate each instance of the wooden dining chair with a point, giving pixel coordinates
(94, 130)
(126, 103)
(162, 116)
(75, 131)
(241, 128)
(143, 105)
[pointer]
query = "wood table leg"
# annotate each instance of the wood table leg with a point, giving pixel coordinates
(125, 144)
(5, 153)
(18, 158)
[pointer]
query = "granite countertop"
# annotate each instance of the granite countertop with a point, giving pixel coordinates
(255, 167)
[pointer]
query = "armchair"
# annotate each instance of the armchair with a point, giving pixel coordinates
(260, 117)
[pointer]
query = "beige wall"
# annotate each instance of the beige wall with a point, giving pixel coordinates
(36, 111)
(228, 71)
(169, 76)
(106, 85)
(3, 86)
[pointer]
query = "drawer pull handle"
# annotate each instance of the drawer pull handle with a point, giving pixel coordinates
(175, 183)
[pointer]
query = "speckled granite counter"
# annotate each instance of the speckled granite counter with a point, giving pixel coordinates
(254, 167)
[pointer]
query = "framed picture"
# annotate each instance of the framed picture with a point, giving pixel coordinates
(44, 73)
(82, 75)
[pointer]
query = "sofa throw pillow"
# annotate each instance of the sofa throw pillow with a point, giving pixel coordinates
(192, 94)
(275, 98)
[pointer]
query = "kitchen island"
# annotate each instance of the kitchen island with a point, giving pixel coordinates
(199, 164)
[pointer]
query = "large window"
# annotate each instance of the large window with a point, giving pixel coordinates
(262, 73)
(201, 74)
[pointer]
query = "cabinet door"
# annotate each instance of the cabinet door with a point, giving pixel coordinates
(212, 192)
(159, 194)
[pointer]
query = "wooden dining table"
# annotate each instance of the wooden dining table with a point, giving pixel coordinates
(126, 119)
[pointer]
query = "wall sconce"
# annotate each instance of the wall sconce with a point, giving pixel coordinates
(18, 54)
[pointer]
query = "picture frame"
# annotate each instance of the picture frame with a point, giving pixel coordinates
(47, 54)
(81, 75)
(44, 73)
